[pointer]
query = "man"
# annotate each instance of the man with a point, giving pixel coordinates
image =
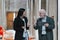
(45, 26)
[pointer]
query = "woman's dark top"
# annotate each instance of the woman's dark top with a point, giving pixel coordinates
(18, 24)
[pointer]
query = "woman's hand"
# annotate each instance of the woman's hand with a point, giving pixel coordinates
(28, 25)
(23, 27)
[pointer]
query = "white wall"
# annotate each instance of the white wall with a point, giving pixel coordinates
(14, 5)
(58, 19)
(2, 13)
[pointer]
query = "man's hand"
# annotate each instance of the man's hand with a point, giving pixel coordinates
(46, 24)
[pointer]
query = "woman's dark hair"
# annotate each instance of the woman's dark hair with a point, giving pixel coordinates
(20, 12)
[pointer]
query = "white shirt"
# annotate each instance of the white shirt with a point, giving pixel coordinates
(43, 27)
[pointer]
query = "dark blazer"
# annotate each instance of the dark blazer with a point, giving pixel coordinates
(18, 23)
(49, 29)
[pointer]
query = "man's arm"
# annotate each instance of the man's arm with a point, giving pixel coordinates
(38, 24)
(51, 25)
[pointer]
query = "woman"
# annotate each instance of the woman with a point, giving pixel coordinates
(19, 24)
